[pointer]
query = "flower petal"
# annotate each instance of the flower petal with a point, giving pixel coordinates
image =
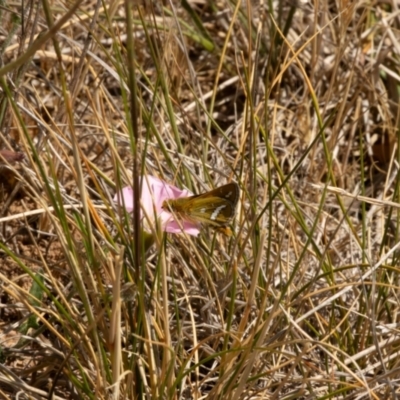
(154, 193)
(125, 197)
(188, 227)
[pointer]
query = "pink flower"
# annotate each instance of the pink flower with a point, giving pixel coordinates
(154, 193)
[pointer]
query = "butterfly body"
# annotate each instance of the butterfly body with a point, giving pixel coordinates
(216, 207)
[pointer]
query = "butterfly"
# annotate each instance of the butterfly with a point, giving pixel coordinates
(216, 207)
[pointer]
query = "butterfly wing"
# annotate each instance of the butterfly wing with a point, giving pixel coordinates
(216, 207)
(212, 210)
